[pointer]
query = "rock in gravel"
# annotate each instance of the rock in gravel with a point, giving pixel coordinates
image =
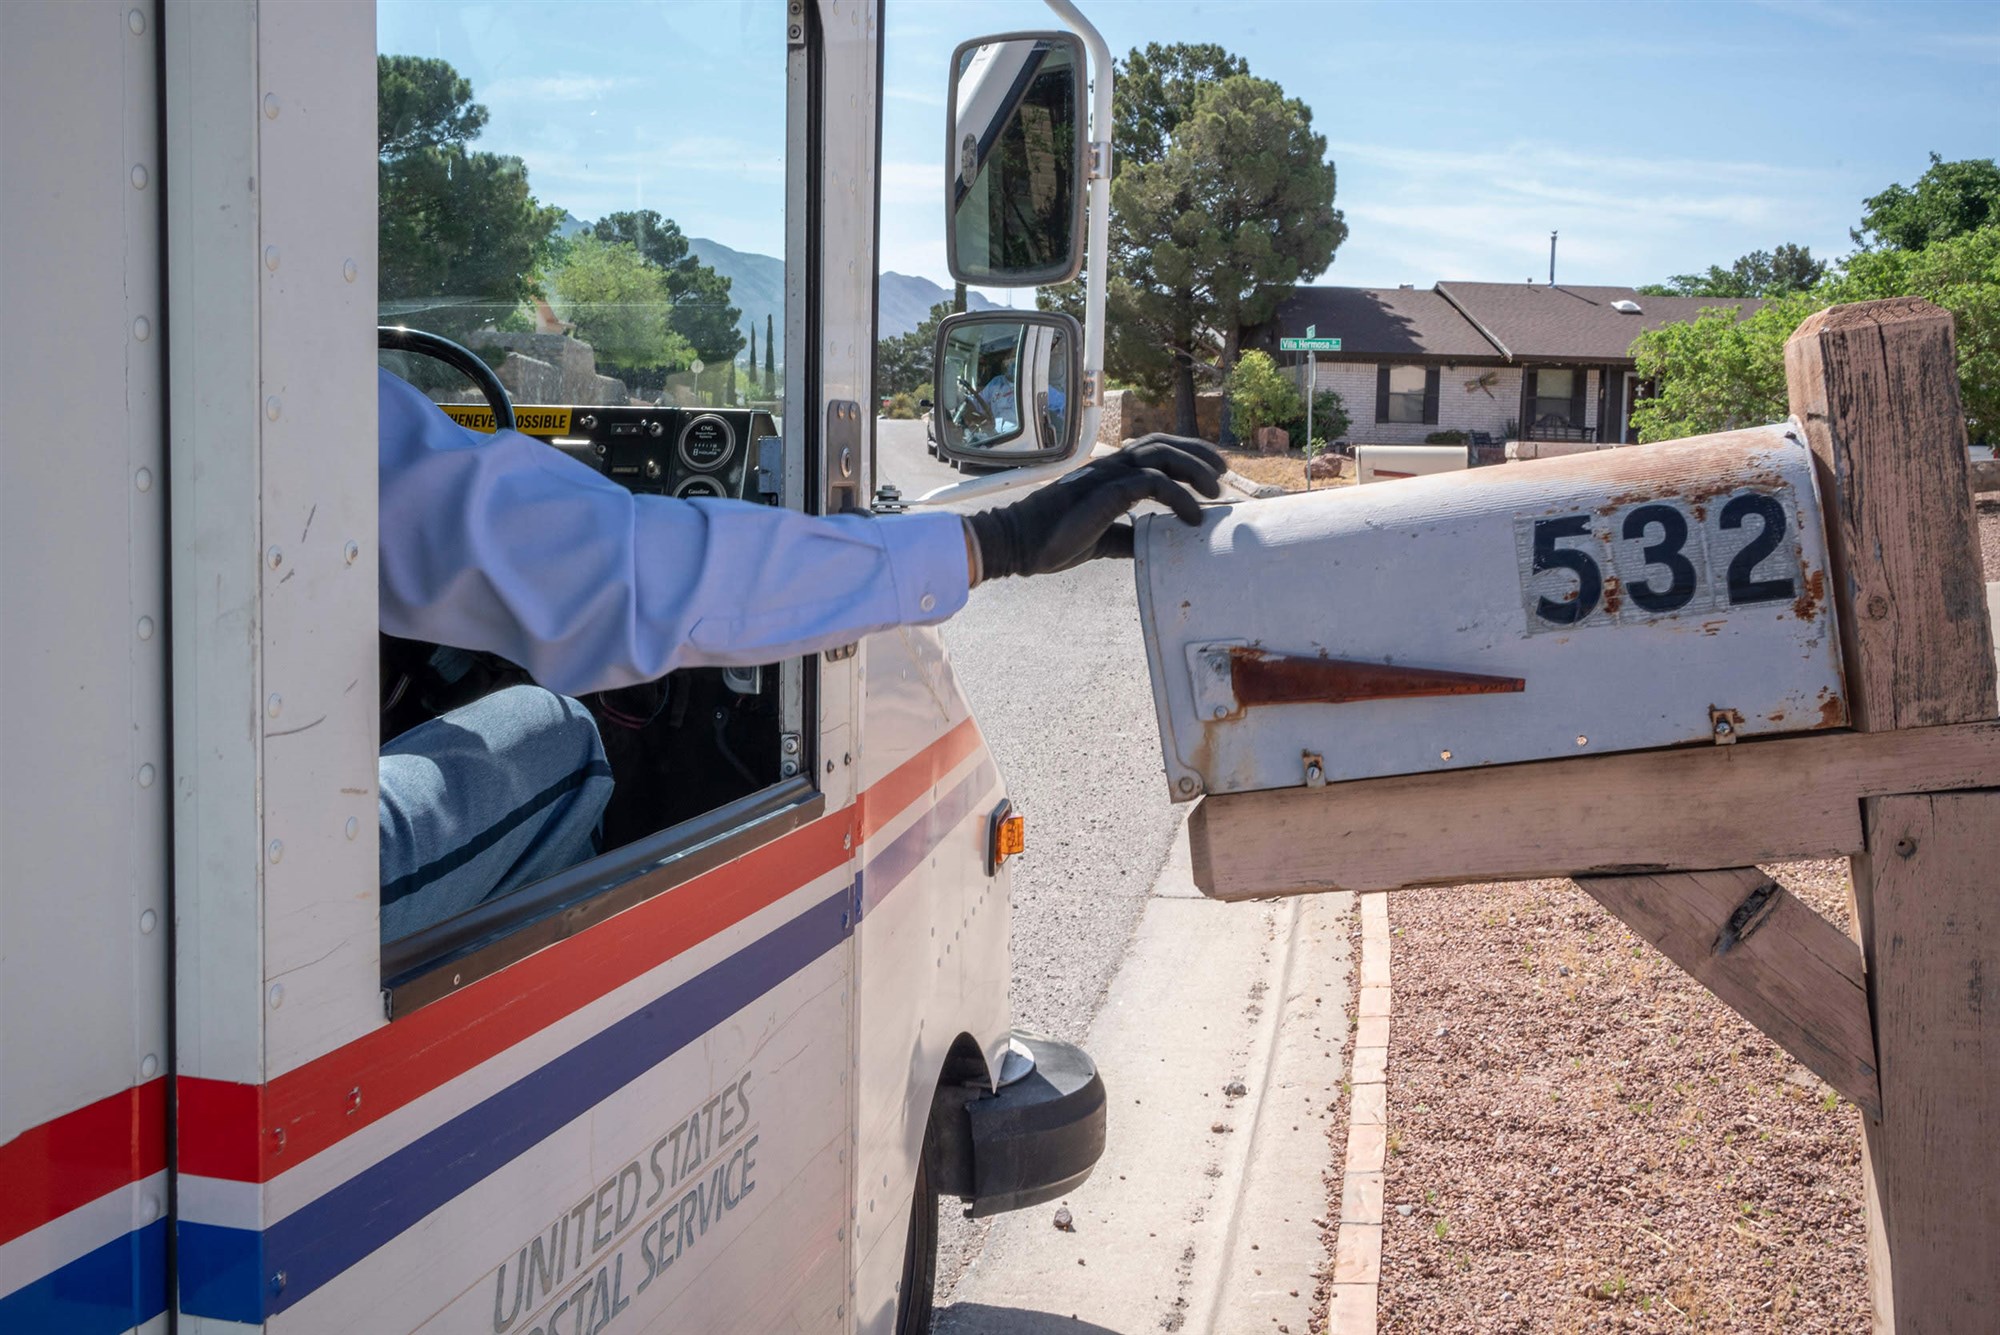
(1235, 1089)
(1063, 1220)
(1406, 1210)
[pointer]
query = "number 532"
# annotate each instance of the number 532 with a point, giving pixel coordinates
(1657, 559)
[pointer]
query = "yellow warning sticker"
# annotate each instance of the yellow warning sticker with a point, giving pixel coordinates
(531, 421)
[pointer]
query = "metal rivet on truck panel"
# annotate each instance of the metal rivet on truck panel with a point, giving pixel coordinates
(271, 106)
(274, 558)
(149, 1067)
(140, 176)
(277, 850)
(277, 1000)
(353, 827)
(272, 407)
(145, 623)
(147, 922)
(143, 479)
(350, 271)
(146, 776)
(275, 705)
(271, 258)
(136, 22)
(352, 552)
(142, 329)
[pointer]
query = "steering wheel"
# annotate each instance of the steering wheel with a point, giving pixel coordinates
(976, 401)
(396, 338)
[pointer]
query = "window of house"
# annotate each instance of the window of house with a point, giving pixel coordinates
(1558, 393)
(1406, 394)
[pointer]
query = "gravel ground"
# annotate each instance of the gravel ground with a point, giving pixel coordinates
(1279, 470)
(1583, 1138)
(1988, 512)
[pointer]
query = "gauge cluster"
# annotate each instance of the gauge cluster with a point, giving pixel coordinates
(686, 452)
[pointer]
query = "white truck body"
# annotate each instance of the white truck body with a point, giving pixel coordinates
(693, 1095)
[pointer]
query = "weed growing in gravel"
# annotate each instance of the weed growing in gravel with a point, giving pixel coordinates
(1441, 1228)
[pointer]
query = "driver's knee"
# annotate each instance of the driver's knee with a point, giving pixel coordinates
(485, 800)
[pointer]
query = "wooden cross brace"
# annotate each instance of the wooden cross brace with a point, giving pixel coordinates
(1907, 1026)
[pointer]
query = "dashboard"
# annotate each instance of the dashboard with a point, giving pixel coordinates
(687, 452)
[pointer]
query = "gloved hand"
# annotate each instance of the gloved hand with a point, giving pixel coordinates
(1075, 518)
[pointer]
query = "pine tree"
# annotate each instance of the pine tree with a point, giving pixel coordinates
(770, 371)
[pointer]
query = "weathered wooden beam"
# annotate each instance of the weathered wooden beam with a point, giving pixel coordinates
(1932, 919)
(1876, 387)
(1644, 811)
(1769, 957)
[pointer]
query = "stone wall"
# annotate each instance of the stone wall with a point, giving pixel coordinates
(552, 368)
(1127, 413)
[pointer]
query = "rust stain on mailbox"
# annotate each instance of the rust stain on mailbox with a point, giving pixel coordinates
(1265, 678)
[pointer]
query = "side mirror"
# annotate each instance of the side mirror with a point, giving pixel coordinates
(1015, 158)
(1005, 386)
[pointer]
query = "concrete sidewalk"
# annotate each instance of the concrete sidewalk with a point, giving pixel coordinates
(1207, 1212)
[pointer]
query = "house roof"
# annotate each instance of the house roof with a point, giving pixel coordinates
(1494, 323)
(1534, 322)
(1382, 322)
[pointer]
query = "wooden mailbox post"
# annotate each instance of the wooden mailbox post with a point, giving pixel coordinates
(1907, 1026)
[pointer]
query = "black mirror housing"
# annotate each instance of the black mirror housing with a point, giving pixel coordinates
(1015, 155)
(1006, 387)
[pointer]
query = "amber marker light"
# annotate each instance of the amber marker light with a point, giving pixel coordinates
(1006, 835)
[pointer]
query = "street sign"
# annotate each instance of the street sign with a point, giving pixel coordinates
(1312, 331)
(1309, 345)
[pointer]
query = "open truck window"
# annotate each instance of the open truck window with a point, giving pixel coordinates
(607, 236)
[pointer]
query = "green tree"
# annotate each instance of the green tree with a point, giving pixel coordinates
(423, 103)
(1718, 371)
(903, 361)
(701, 311)
(620, 305)
(1211, 236)
(1155, 89)
(770, 354)
(1949, 199)
(1721, 371)
(1761, 273)
(460, 235)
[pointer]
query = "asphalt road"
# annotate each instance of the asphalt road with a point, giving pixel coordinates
(1056, 672)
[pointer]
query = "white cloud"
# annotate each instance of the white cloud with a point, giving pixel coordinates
(553, 88)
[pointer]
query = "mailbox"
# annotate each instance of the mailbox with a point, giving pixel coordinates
(1625, 599)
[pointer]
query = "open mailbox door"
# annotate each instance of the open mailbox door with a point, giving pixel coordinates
(1619, 601)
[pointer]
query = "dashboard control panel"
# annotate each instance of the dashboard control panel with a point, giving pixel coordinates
(662, 451)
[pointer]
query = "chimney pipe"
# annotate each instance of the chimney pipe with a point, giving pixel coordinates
(1552, 259)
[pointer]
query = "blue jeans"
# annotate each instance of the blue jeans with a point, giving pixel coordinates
(485, 800)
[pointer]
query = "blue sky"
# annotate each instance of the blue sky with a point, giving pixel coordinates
(1655, 138)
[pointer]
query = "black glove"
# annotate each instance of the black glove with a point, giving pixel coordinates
(1075, 518)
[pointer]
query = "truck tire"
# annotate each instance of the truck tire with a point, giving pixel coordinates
(918, 1291)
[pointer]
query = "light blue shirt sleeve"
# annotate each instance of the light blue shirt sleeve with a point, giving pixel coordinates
(498, 542)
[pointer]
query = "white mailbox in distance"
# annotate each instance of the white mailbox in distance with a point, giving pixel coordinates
(1626, 599)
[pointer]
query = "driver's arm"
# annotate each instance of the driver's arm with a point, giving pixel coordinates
(503, 544)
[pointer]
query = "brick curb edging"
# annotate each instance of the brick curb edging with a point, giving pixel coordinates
(1357, 1256)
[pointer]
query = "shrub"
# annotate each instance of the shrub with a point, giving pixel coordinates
(1261, 395)
(901, 407)
(1445, 438)
(1330, 421)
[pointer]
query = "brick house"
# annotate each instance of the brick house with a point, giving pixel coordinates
(1555, 362)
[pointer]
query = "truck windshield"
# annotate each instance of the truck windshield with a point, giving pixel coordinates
(589, 197)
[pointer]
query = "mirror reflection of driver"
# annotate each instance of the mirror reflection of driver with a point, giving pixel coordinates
(999, 395)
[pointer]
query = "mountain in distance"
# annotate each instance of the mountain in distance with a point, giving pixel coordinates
(757, 286)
